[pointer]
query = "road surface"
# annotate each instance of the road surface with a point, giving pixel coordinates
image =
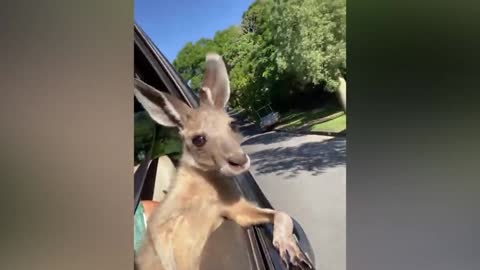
(305, 176)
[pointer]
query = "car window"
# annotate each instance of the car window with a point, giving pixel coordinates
(152, 140)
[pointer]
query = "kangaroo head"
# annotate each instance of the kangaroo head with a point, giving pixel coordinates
(209, 141)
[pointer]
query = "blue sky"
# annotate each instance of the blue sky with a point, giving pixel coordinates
(172, 23)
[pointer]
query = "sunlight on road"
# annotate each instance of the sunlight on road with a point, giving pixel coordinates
(305, 175)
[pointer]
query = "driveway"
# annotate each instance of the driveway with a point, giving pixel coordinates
(305, 176)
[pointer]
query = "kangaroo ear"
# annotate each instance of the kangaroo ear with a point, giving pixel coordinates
(215, 89)
(164, 108)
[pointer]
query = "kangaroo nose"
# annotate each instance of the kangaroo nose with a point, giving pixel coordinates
(237, 159)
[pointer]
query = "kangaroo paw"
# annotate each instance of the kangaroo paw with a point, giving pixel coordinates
(286, 243)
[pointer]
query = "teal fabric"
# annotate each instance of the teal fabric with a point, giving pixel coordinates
(138, 227)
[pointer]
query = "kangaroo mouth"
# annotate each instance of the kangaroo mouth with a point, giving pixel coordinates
(232, 168)
(234, 165)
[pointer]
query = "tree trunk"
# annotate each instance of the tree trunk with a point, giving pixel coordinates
(342, 93)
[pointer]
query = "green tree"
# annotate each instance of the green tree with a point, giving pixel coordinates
(248, 91)
(280, 48)
(260, 75)
(310, 37)
(225, 39)
(190, 60)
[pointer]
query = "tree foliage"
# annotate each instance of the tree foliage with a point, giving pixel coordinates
(281, 48)
(189, 61)
(310, 37)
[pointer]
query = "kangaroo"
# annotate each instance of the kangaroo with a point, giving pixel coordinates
(202, 195)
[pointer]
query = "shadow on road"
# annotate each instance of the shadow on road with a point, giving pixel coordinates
(269, 138)
(249, 129)
(314, 157)
(246, 127)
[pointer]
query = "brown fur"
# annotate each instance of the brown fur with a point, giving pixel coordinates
(202, 195)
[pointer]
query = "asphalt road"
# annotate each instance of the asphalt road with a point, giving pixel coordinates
(305, 176)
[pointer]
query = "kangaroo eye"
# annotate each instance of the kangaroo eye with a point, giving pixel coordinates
(199, 140)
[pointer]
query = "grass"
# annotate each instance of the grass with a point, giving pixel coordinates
(335, 125)
(299, 119)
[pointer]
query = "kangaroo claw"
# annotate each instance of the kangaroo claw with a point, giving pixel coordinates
(291, 254)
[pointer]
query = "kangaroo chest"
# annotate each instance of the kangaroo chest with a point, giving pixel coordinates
(192, 210)
(182, 224)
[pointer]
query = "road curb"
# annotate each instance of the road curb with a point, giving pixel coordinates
(319, 121)
(324, 133)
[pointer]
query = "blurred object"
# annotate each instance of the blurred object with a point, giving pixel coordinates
(268, 117)
(342, 92)
(148, 208)
(142, 213)
(165, 174)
